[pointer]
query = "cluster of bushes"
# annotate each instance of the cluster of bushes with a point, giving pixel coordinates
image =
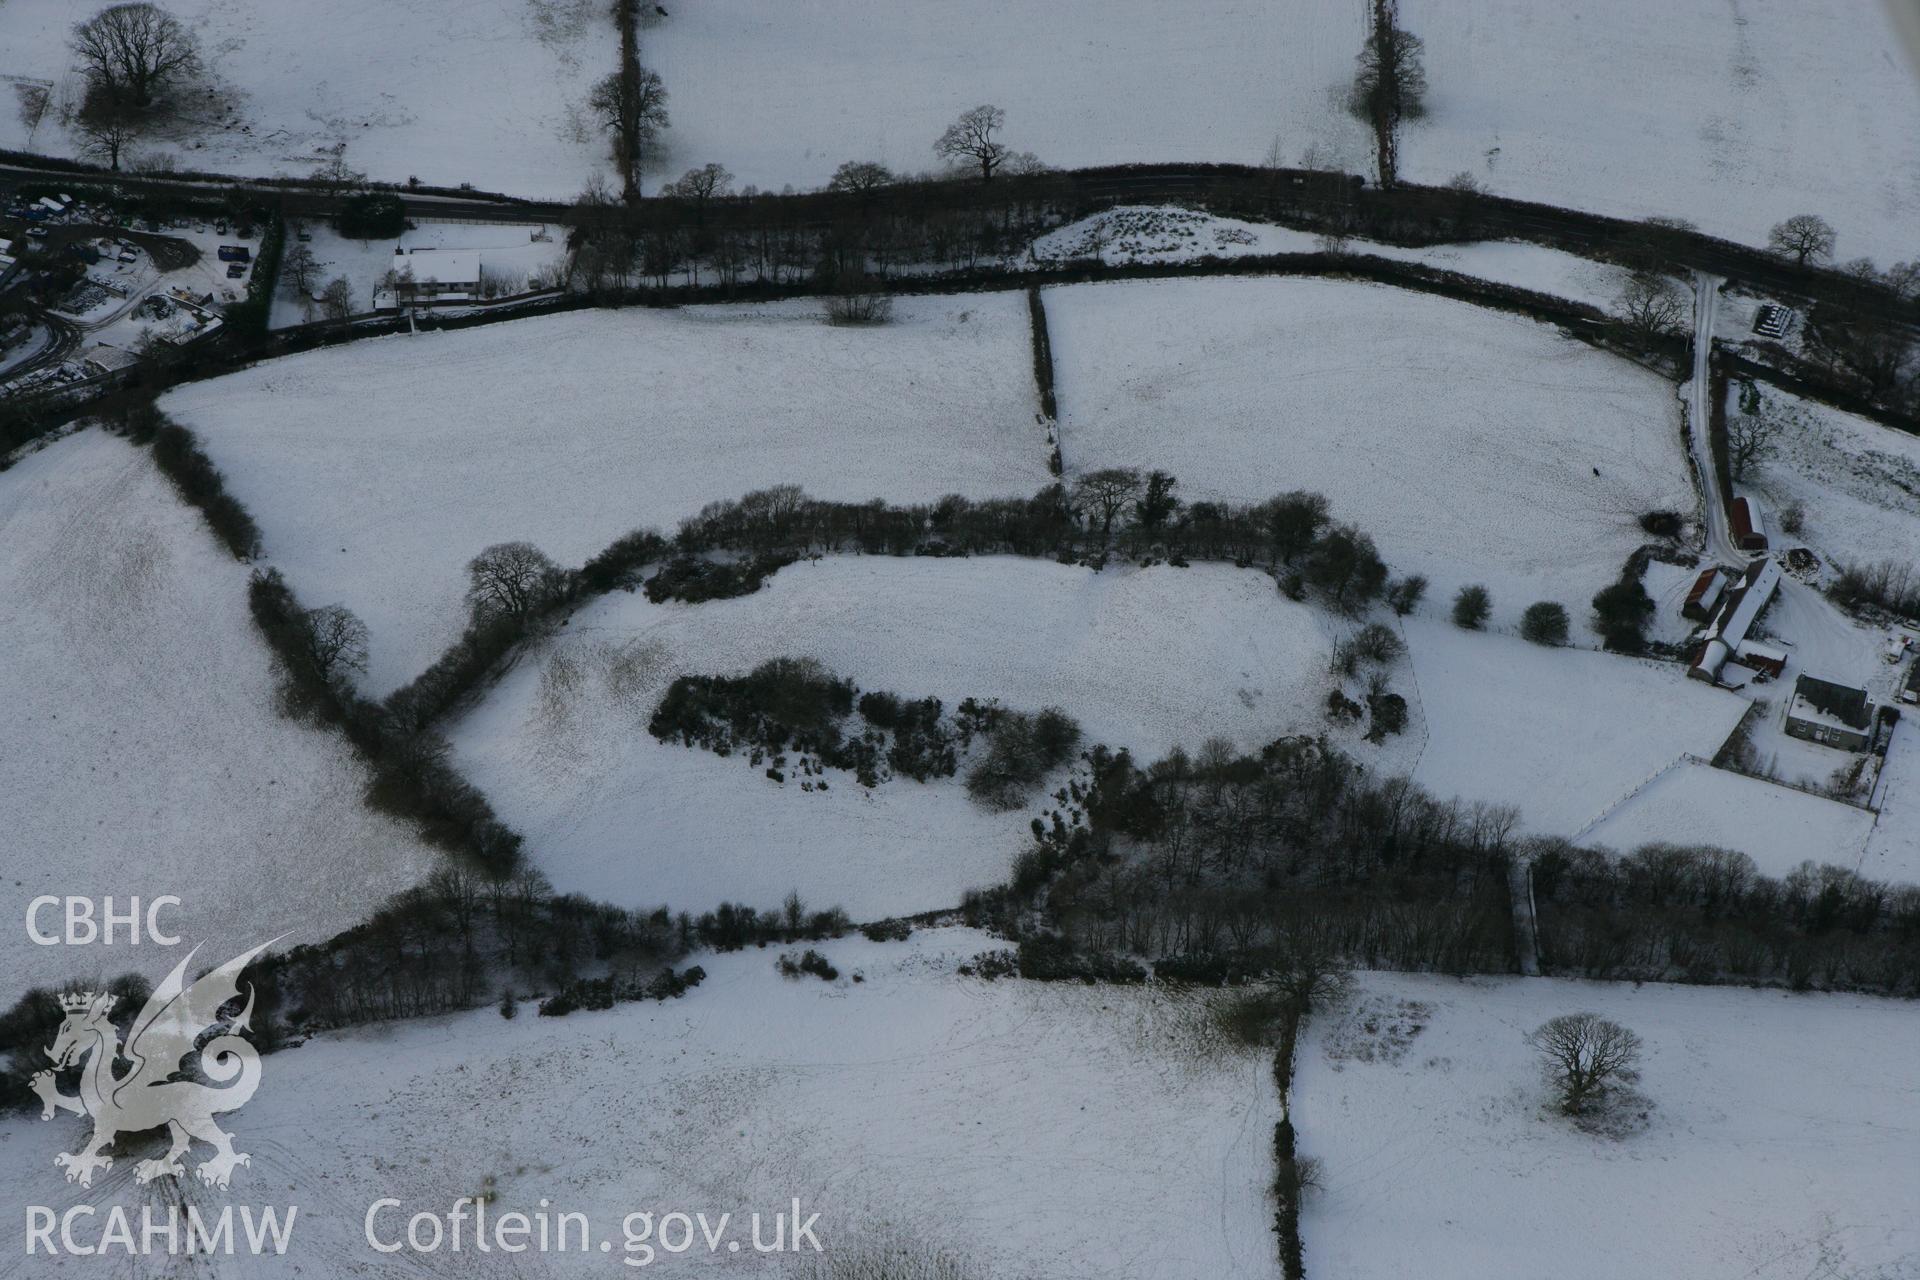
(783, 704)
(924, 746)
(694, 580)
(793, 705)
(1622, 610)
(604, 993)
(734, 926)
(1052, 957)
(1702, 914)
(1022, 750)
(888, 930)
(808, 961)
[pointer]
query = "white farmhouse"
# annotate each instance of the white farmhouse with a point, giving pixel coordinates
(432, 275)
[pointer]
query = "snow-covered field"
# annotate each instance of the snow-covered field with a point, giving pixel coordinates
(785, 93)
(1734, 115)
(1778, 827)
(1464, 440)
(1056, 1130)
(487, 93)
(379, 469)
(1559, 733)
(509, 252)
(1857, 482)
(144, 756)
(1893, 849)
(1145, 659)
(1780, 1144)
(1169, 233)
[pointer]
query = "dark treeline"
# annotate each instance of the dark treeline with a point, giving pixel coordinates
(411, 776)
(457, 941)
(1221, 867)
(794, 707)
(1701, 914)
(1218, 864)
(194, 477)
(1117, 509)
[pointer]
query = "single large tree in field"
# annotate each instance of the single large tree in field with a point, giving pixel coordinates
(138, 50)
(633, 109)
(1583, 1054)
(970, 139)
(1805, 237)
(1391, 84)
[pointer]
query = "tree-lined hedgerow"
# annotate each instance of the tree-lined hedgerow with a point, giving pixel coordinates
(178, 455)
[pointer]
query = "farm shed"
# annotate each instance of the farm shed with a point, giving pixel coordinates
(1706, 592)
(1736, 616)
(1749, 531)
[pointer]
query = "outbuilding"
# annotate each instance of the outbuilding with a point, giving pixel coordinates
(1706, 593)
(1736, 616)
(1749, 531)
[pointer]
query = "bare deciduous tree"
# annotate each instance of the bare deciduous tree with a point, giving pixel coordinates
(633, 110)
(1391, 84)
(1751, 438)
(1583, 1054)
(700, 185)
(106, 123)
(138, 50)
(970, 139)
(1805, 237)
(1105, 494)
(336, 300)
(298, 268)
(336, 642)
(335, 176)
(512, 578)
(1651, 309)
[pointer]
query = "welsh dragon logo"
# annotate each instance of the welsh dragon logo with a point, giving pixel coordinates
(148, 1096)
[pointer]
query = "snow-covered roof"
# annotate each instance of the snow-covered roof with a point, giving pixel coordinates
(109, 359)
(1822, 702)
(1759, 649)
(441, 266)
(1745, 604)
